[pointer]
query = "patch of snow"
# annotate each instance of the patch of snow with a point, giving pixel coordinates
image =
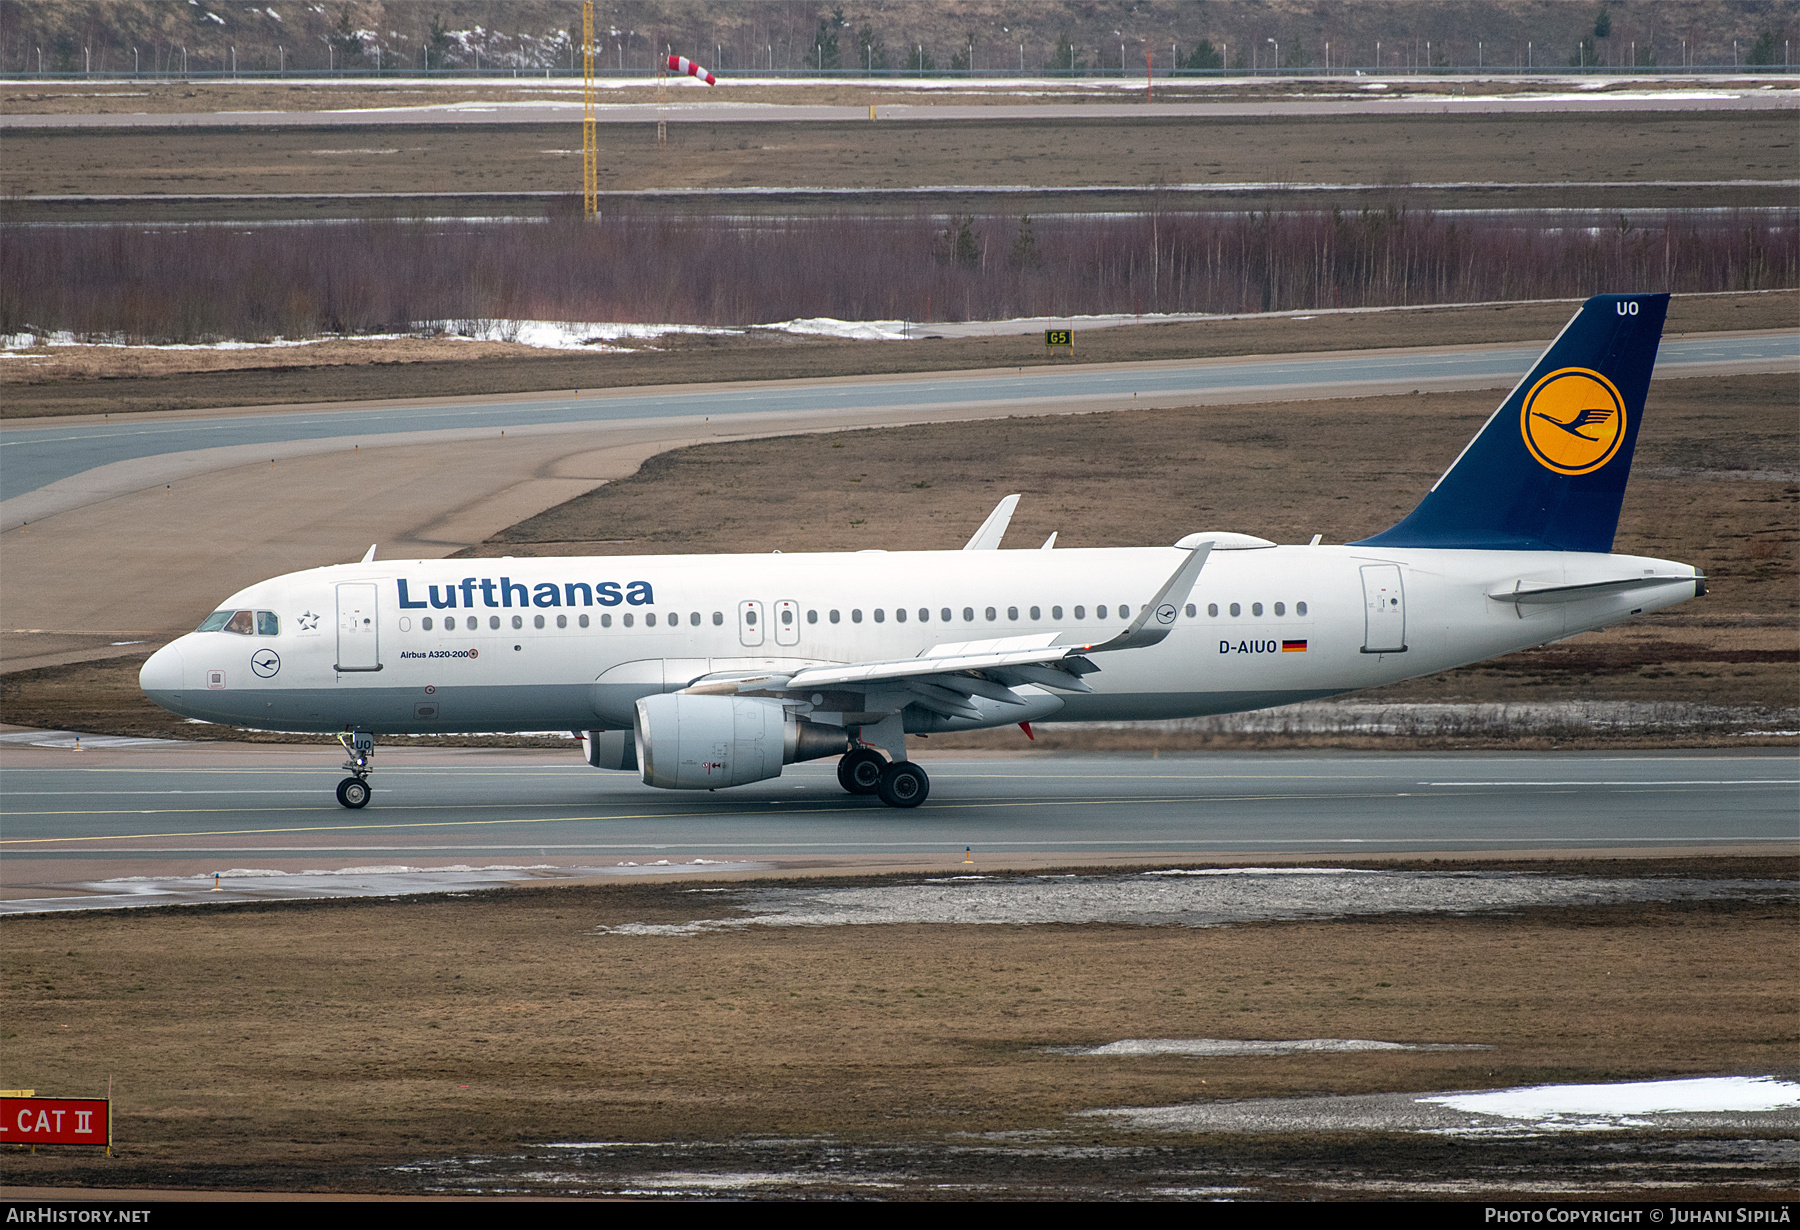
(1212, 1047)
(859, 330)
(1265, 871)
(1557, 1102)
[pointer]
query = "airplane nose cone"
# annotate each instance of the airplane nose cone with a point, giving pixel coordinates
(163, 675)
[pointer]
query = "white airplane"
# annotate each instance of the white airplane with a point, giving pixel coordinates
(700, 672)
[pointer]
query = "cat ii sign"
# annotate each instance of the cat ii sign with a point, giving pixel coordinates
(56, 1121)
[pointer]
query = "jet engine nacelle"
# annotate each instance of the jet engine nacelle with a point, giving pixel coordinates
(687, 742)
(609, 749)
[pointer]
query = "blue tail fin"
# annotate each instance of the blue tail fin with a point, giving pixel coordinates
(1547, 472)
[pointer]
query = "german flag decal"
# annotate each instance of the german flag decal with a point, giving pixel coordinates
(1293, 647)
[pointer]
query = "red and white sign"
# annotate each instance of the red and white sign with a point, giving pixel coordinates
(55, 1121)
(681, 65)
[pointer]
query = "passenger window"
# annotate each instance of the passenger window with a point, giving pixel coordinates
(267, 624)
(968, 614)
(1236, 610)
(787, 616)
(582, 620)
(1299, 608)
(537, 621)
(1012, 612)
(1036, 613)
(213, 622)
(924, 615)
(1281, 608)
(945, 614)
(1192, 610)
(626, 620)
(694, 619)
(1212, 610)
(425, 623)
(241, 622)
(899, 615)
(562, 621)
(1055, 612)
(1080, 612)
(649, 619)
(1124, 612)
(880, 615)
(992, 614)
(606, 621)
(812, 617)
(518, 621)
(750, 617)
(718, 619)
(833, 617)
(1256, 608)
(1099, 612)
(855, 616)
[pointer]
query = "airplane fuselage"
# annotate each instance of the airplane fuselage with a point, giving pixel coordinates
(571, 643)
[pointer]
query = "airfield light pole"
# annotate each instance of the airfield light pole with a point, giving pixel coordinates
(590, 145)
(1277, 47)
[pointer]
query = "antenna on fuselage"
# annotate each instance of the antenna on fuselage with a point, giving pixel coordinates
(369, 555)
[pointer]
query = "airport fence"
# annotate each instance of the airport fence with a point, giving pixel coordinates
(171, 283)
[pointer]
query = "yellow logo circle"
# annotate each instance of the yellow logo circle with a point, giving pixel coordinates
(1573, 421)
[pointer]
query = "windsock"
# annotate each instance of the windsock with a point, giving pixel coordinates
(682, 65)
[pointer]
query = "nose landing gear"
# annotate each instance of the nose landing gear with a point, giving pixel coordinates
(354, 791)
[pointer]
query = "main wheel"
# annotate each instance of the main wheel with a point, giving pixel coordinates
(859, 770)
(904, 784)
(353, 792)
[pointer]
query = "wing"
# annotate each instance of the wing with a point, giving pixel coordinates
(988, 537)
(949, 678)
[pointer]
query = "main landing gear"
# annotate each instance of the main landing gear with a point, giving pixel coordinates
(353, 792)
(899, 783)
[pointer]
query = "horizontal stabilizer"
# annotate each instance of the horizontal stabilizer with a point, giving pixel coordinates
(1552, 595)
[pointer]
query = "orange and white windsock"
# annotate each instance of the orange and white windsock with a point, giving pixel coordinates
(682, 65)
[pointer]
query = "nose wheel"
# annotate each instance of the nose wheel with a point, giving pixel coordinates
(354, 791)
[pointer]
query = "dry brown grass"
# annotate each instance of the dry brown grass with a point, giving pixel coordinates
(1699, 147)
(332, 1037)
(61, 380)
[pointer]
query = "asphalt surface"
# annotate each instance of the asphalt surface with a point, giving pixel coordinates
(32, 458)
(1707, 96)
(72, 829)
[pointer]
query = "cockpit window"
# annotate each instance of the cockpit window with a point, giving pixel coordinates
(213, 622)
(267, 624)
(241, 622)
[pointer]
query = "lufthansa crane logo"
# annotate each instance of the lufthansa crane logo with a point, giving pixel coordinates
(1573, 421)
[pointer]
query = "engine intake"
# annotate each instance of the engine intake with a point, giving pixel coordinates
(690, 742)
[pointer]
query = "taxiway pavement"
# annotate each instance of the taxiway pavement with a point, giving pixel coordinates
(147, 823)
